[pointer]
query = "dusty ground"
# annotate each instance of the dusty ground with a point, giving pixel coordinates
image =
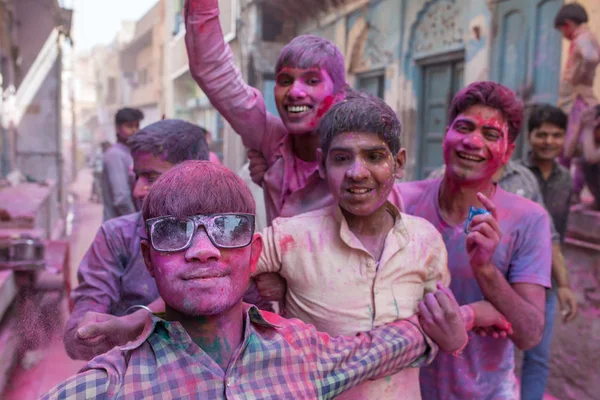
(49, 365)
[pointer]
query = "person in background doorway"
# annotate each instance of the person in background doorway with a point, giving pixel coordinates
(576, 87)
(588, 135)
(546, 137)
(117, 166)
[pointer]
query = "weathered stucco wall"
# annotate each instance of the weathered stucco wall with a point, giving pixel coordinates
(395, 36)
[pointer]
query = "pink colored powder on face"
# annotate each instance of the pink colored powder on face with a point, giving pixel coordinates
(471, 134)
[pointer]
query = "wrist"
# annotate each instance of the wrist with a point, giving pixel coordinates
(468, 315)
(485, 271)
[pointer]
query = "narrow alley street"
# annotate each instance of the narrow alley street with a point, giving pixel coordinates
(44, 368)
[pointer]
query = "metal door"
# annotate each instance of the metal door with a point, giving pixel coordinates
(526, 53)
(440, 83)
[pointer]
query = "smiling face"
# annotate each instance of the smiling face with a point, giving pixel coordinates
(547, 141)
(303, 96)
(360, 170)
(476, 144)
(147, 168)
(202, 280)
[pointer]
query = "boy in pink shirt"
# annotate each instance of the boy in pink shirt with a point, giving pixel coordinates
(310, 78)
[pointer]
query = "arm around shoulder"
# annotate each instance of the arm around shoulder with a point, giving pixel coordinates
(212, 67)
(346, 361)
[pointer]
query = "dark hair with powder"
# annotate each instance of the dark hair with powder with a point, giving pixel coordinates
(198, 187)
(308, 51)
(494, 95)
(128, 115)
(546, 113)
(364, 113)
(172, 139)
(570, 12)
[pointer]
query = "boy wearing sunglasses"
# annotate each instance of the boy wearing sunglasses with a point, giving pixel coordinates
(200, 247)
(112, 275)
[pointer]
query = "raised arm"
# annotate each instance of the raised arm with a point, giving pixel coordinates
(212, 67)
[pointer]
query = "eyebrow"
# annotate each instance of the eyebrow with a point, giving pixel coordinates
(367, 149)
(317, 71)
(145, 171)
(472, 125)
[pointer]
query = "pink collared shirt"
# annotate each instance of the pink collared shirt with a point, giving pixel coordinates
(291, 186)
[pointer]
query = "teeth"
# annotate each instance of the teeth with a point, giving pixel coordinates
(469, 157)
(297, 109)
(358, 191)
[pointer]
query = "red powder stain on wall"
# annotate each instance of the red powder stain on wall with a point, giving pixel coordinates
(287, 242)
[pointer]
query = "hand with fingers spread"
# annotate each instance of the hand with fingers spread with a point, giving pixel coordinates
(484, 236)
(97, 333)
(441, 319)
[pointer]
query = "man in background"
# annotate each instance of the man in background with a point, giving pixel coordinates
(117, 166)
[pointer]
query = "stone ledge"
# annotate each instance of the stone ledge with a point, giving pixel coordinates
(584, 224)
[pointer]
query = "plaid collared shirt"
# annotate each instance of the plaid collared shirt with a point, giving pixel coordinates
(278, 359)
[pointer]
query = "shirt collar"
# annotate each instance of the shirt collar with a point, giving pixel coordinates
(529, 163)
(399, 229)
(509, 169)
(177, 334)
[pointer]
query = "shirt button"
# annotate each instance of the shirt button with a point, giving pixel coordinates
(370, 263)
(376, 291)
(229, 382)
